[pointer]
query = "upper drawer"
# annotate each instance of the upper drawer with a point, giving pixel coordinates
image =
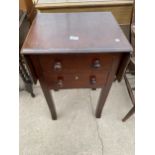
(72, 63)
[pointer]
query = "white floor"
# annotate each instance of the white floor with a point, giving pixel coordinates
(77, 131)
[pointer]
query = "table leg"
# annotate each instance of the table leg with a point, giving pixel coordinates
(105, 91)
(102, 99)
(49, 100)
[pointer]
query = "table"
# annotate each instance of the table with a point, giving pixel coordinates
(76, 50)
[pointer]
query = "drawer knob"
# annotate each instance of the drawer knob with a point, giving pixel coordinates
(93, 80)
(96, 63)
(60, 81)
(57, 66)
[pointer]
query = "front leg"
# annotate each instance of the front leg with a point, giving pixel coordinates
(49, 100)
(102, 99)
(105, 91)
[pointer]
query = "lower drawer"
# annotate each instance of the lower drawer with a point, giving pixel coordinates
(81, 80)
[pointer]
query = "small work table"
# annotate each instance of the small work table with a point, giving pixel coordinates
(76, 50)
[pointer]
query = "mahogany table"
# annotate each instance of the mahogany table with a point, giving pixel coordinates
(76, 50)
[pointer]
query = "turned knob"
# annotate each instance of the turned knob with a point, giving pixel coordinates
(96, 63)
(60, 81)
(57, 66)
(93, 79)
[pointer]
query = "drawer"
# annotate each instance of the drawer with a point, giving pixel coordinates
(76, 80)
(72, 63)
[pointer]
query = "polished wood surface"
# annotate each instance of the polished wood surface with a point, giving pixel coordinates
(73, 50)
(62, 33)
(74, 62)
(79, 74)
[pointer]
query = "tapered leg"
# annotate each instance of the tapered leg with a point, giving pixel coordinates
(49, 100)
(105, 91)
(129, 114)
(102, 99)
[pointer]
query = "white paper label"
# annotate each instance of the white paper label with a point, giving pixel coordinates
(73, 37)
(117, 40)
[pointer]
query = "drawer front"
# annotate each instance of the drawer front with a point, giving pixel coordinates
(73, 63)
(77, 80)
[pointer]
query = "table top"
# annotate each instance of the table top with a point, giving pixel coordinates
(75, 33)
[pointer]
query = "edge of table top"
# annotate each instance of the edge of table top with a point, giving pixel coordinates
(73, 51)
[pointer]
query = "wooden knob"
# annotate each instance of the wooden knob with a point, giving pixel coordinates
(60, 81)
(96, 63)
(57, 66)
(93, 80)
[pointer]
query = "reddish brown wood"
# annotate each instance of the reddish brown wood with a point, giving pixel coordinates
(123, 65)
(49, 99)
(77, 74)
(87, 32)
(76, 80)
(72, 63)
(104, 92)
(76, 50)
